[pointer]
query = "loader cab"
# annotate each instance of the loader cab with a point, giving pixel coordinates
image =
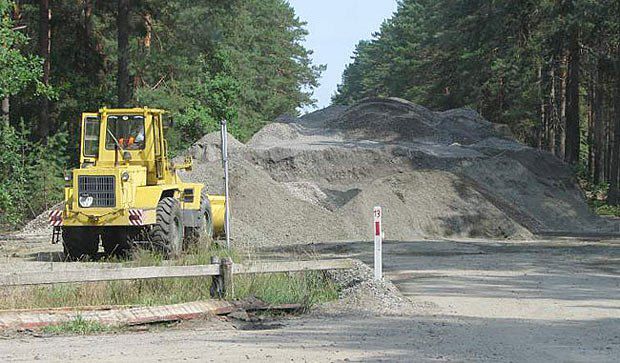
(125, 137)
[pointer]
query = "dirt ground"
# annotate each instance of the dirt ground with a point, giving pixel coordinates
(556, 300)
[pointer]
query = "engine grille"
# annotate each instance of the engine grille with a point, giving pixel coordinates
(100, 187)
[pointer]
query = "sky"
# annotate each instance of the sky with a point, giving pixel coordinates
(335, 27)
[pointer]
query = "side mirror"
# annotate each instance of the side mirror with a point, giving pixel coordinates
(168, 121)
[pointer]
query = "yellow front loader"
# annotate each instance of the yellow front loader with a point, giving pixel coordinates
(126, 192)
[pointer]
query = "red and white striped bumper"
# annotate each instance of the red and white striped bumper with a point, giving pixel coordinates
(105, 218)
(55, 218)
(136, 217)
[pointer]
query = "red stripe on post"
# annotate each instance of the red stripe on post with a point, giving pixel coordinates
(377, 228)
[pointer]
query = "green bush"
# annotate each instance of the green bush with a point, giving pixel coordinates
(30, 175)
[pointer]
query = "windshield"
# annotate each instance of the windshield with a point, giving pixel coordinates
(128, 130)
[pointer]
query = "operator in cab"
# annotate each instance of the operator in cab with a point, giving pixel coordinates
(128, 130)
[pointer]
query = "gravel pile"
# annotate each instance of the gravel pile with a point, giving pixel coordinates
(437, 174)
(359, 291)
(40, 225)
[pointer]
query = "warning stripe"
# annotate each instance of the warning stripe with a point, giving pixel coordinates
(55, 218)
(136, 217)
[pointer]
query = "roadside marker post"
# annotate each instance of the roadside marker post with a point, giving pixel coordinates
(224, 134)
(378, 234)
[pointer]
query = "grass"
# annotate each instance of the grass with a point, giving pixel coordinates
(306, 288)
(596, 195)
(603, 209)
(78, 326)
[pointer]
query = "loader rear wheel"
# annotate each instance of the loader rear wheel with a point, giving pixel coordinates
(204, 231)
(117, 241)
(166, 235)
(80, 243)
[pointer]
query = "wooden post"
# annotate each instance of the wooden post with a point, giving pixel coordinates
(216, 282)
(227, 276)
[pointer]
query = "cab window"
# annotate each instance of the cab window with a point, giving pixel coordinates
(91, 136)
(125, 131)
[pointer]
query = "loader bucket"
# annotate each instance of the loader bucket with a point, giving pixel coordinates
(218, 210)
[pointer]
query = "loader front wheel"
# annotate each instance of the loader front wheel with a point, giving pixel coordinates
(80, 243)
(167, 233)
(204, 231)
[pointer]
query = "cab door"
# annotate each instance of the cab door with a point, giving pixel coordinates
(159, 153)
(89, 138)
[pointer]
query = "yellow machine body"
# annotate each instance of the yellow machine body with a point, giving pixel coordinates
(124, 179)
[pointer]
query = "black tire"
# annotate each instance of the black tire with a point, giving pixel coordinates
(166, 235)
(204, 231)
(117, 241)
(80, 243)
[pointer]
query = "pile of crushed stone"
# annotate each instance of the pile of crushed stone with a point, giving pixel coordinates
(436, 174)
(453, 174)
(40, 225)
(360, 291)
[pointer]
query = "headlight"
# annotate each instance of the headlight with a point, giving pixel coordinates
(68, 177)
(125, 176)
(85, 200)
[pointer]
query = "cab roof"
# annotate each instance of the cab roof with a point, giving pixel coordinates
(131, 110)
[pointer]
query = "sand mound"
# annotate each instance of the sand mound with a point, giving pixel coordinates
(208, 149)
(451, 173)
(273, 133)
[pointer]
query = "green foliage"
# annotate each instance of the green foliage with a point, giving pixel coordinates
(480, 54)
(596, 194)
(197, 102)
(17, 70)
(204, 61)
(79, 326)
(30, 175)
(607, 210)
(263, 39)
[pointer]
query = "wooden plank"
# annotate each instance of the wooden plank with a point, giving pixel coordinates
(108, 274)
(7, 266)
(115, 316)
(293, 266)
(154, 272)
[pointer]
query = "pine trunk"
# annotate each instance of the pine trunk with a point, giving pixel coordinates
(122, 80)
(573, 136)
(590, 132)
(555, 110)
(613, 197)
(598, 125)
(45, 15)
(91, 41)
